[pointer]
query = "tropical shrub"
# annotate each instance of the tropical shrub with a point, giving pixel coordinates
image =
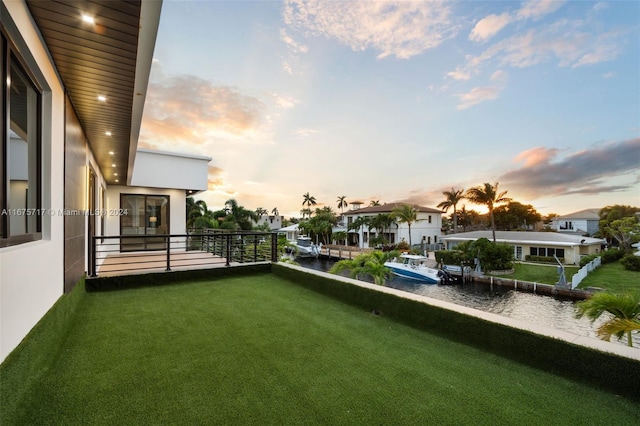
(543, 259)
(450, 257)
(493, 256)
(588, 258)
(612, 255)
(631, 262)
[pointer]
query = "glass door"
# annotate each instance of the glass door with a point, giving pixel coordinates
(147, 215)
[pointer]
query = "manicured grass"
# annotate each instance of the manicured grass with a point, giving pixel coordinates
(544, 274)
(261, 350)
(614, 277)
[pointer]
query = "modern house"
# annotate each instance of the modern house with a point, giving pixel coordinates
(583, 222)
(74, 82)
(273, 222)
(546, 244)
(426, 230)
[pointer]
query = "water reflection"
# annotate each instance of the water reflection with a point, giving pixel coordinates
(538, 309)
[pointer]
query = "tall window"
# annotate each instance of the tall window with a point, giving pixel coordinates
(20, 175)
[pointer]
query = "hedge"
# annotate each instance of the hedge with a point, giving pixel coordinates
(596, 368)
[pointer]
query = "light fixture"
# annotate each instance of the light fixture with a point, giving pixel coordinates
(88, 19)
(111, 153)
(117, 181)
(108, 133)
(115, 174)
(113, 165)
(102, 98)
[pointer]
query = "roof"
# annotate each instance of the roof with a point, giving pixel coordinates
(388, 208)
(111, 57)
(589, 214)
(523, 237)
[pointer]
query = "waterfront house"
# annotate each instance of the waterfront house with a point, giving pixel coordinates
(545, 244)
(425, 231)
(75, 77)
(583, 222)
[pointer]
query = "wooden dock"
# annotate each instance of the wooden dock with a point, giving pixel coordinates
(338, 252)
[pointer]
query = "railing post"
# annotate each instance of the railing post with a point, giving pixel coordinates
(168, 243)
(228, 249)
(274, 247)
(92, 261)
(255, 248)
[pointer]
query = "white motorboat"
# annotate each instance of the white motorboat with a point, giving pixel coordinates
(414, 267)
(306, 248)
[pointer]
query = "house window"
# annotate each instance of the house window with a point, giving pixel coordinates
(21, 177)
(429, 218)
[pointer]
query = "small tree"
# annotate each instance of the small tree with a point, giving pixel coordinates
(367, 264)
(625, 309)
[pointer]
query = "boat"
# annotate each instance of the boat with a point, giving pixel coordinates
(414, 267)
(306, 248)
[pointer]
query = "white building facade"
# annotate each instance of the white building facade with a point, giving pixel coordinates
(426, 230)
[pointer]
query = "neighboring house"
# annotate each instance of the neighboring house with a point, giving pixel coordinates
(426, 230)
(583, 222)
(73, 100)
(547, 244)
(274, 222)
(291, 232)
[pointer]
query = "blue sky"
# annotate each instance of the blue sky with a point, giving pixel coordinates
(399, 101)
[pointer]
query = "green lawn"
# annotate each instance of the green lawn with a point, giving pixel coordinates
(614, 277)
(261, 350)
(544, 274)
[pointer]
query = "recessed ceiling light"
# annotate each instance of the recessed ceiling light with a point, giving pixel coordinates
(117, 181)
(102, 98)
(107, 133)
(111, 153)
(88, 19)
(115, 174)
(113, 165)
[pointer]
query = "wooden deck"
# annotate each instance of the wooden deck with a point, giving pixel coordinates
(156, 261)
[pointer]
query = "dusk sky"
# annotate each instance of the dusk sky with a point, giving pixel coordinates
(399, 101)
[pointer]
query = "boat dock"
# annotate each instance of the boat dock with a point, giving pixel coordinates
(333, 251)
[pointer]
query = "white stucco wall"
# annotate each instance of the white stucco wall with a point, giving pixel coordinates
(177, 207)
(159, 169)
(31, 274)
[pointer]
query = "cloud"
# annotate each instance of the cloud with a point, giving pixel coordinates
(459, 75)
(580, 173)
(488, 26)
(477, 95)
(293, 45)
(570, 43)
(536, 9)
(188, 109)
(393, 28)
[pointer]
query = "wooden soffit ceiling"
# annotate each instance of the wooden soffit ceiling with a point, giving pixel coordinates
(100, 60)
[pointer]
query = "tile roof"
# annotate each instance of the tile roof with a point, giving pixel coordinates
(388, 208)
(589, 214)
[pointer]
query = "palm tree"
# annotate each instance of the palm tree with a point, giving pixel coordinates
(342, 203)
(453, 197)
(625, 309)
(261, 212)
(405, 213)
(195, 210)
(308, 200)
(374, 203)
(239, 215)
(358, 223)
(371, 264)
(275, 211)
(489, 196)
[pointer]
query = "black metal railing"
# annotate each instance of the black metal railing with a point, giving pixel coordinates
(119, 254)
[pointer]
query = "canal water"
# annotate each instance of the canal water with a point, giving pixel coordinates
(538, 309)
